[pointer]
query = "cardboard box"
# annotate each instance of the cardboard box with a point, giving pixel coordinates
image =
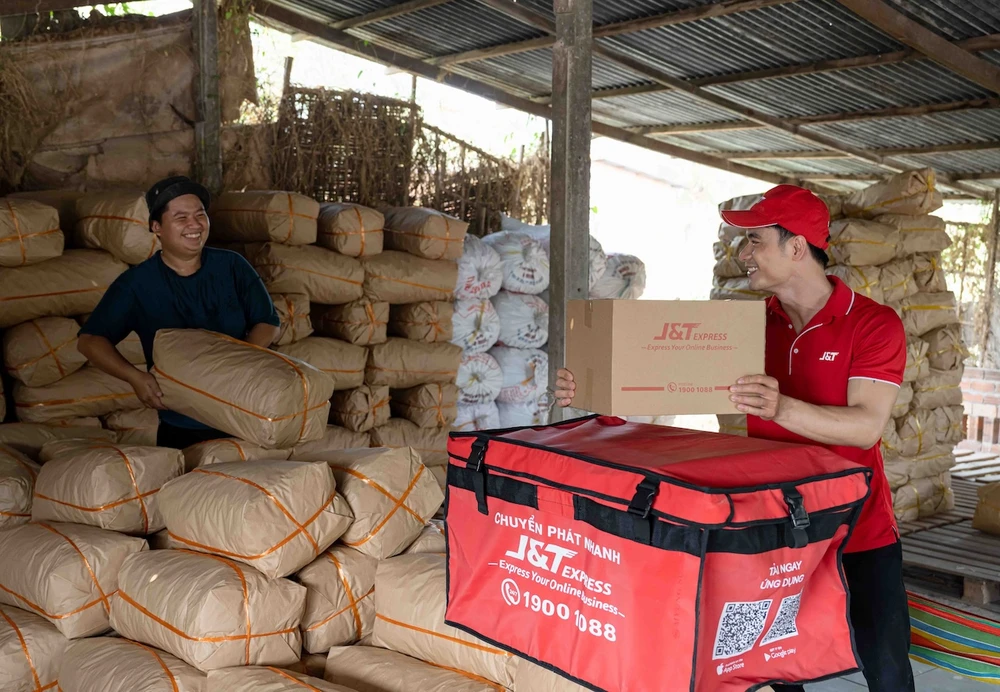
(654, 357)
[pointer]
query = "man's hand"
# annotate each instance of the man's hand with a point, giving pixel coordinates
(565, 387)
(148, 390)
(757, 395)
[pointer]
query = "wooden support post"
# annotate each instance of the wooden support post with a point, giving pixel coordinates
(986, 313)
(569, 211)
(208, 128)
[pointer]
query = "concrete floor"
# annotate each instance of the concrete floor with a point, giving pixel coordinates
(929, 679)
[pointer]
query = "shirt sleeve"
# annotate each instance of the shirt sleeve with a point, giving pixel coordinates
(880, 349)
(114, 318)
(257, 304)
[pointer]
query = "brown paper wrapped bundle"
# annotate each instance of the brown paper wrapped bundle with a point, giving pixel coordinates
(903, 400)
(276, 516)
(344, 363)
(370, 669)
(293, 313)
(430, 443)
(912, 193)
(113, 487)
(391, 495)
(117, 222)
(42, 351)
(229, 450)
(313, 665)
(137, 427)
(410, 600)
(86, 393)
(31, 651)
(864, 280)
(321, 274)
(269, 679)
(945, 349)
(79, 422)
(63, 201)
(987, 516)
(428, 405)
(916, 433)
(430, 540)
(113, 664)
(892, 446)
(360, 409)
(401, 363)
(340, 604)
(350, 229)
(918, 234)
(361, 322)
(67, 573)
(949, 425)
(208, 611)
(733, 424)
(936, 461)
(939, 388)
(735, 289)
(29, 232)
(62, 287)
(917, 363)
(925, 312)
(276, 402)
(264, 217)
(897, 281)
(424, 233)
(862, 243)
(334, 439)
(398, 277)
(532, 678)
(928, 273)
(923, 497)
(429, 322)
(29, 438)
(727, 262)
(17, 484)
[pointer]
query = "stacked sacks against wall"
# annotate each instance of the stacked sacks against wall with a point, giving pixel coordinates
(886, 245)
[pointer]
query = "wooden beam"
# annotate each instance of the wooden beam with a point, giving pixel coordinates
(691, 14)
(270, 10)
(933, 45)
(980, 43)
(819, 177)
(985, 175)
(13, 7)
(569, 209)
(941, 149)
(208, 128)
(386, 13)
(781, 155)
(902, 151)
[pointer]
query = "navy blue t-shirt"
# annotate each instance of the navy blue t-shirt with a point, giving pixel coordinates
(225, 295)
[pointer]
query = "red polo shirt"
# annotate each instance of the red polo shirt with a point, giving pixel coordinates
(852, 337)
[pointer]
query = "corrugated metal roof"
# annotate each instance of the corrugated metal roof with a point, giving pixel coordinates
(790, 34)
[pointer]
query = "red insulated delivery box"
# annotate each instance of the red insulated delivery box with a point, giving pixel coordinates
(639, 558)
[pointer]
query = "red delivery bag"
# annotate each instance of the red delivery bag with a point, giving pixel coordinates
(639, 558)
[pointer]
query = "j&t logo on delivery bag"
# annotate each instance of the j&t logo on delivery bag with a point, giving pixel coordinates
(532, 549)
(677, 331)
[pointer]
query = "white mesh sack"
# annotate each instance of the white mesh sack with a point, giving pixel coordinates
(597, 260)
(480, 271)
(524, 260)
(624, 279)
(477, 417)
(524, 319)
(475, 325)
(533, 411)
(525, 373)
(479, 380)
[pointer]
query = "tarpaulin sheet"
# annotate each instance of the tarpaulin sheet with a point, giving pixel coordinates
(588, 545)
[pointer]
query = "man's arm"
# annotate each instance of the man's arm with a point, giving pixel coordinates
(859, 424)
(263, 335)
(103, 355)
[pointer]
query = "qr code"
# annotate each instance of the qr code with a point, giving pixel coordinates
(784, 625)
(739, 627)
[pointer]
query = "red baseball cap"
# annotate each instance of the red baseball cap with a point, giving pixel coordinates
(791, 207)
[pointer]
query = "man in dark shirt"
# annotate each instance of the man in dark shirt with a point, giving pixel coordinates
(184, 286)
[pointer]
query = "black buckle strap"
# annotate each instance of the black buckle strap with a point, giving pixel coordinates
(477, 462)
(640, 507)
(797, 535)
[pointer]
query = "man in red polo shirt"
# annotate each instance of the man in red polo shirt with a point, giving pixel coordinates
(834, 362)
